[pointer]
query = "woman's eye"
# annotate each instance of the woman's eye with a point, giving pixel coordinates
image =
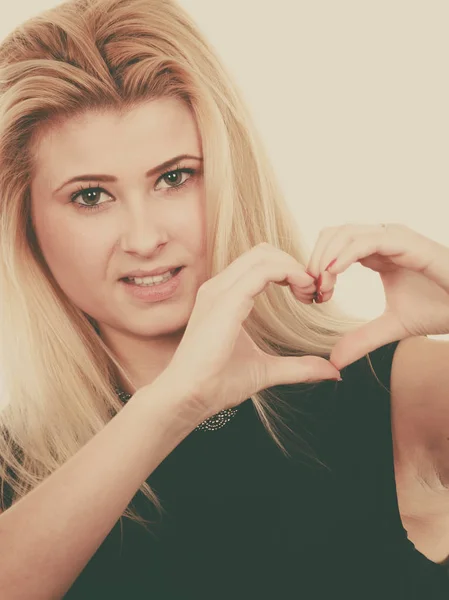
(88, 194)
(174, 178)
(174, 181)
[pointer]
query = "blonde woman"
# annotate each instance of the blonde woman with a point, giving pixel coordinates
(151, 372)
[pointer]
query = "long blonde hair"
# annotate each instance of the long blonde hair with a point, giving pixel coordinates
(57, 374)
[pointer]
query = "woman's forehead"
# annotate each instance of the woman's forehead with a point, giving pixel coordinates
(107, 142)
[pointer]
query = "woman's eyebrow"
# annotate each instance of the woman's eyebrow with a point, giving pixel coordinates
(165, 165)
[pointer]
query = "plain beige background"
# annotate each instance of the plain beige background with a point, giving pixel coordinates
(351, 98)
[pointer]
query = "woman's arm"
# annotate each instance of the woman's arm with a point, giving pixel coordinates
(84, 498)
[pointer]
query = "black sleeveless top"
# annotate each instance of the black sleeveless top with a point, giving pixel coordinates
(244, 521)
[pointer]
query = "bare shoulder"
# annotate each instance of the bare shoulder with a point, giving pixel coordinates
(420, 404)
(420, 430)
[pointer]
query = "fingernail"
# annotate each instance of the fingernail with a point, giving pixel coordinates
(330, 264)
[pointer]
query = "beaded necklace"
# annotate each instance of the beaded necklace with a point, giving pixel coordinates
(211, 424)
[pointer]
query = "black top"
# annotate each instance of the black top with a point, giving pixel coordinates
(243, 521)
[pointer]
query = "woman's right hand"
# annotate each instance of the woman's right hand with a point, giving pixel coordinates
(216, 359)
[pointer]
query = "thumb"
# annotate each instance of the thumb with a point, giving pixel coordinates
(367, 338)
(297, 369)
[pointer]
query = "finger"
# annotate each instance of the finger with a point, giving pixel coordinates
(347, 246)
(307, 298)
(303, 287)
(367, 338)
(324, 287)
(346, 235)
(361, 248)
(255, 280)
(292, 369)
(304, 295)
(323, 296)
(326, 282)
(262, 254)
(313, 266)
(298, 276)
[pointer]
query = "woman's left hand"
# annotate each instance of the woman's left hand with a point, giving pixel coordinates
(414, 271)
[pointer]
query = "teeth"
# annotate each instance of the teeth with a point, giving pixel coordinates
(151, 280)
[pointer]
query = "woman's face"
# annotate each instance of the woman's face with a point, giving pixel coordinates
(142, 222)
